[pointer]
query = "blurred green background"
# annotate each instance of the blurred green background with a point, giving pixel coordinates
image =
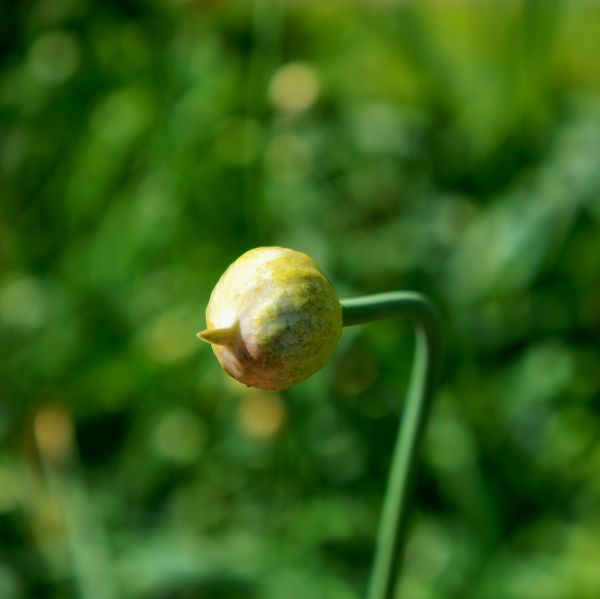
(447, 147)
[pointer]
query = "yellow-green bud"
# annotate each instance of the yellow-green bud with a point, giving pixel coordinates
(273, 318)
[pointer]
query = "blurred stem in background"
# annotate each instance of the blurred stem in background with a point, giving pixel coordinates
(267, 35)
(392, 531)
(84, 534)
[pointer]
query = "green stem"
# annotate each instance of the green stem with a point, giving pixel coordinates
(392, 531)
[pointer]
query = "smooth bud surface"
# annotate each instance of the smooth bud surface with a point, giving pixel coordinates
(273, 318)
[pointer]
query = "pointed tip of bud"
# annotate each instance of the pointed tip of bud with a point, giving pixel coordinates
(225, 336)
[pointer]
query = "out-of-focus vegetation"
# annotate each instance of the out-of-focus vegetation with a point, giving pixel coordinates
(449, 147)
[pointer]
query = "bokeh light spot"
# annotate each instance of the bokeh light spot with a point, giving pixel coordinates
(22, 303)
(288, 158)
(262, 415)
(170, 337)
(53, 429)
(294, 87)
(54, 56)
(180, 436)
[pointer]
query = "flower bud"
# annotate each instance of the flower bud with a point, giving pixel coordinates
(273, 318)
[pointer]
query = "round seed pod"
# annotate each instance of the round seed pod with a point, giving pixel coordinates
(273, 318)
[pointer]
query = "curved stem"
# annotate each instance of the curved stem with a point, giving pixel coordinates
(392, 531)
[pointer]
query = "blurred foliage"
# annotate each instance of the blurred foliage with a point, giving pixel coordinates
(449, 147)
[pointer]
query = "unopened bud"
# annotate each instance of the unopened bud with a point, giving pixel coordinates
(273, 318)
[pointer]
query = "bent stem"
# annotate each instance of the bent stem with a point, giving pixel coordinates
(392, 531)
